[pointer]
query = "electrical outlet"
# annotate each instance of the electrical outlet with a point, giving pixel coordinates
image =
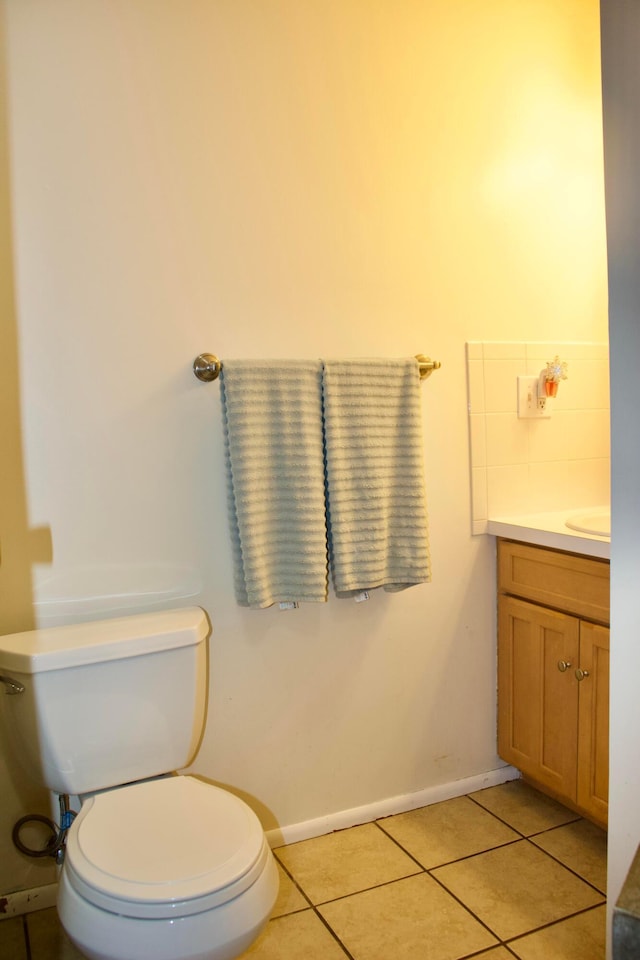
(530, 405)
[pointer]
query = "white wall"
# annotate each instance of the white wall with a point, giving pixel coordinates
(621, 85)
(287, 179)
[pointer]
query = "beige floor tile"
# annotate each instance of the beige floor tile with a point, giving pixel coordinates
(517, 888)
(289, 899)
(48, 939)
(447, 831)
(343, 863)
(296, 936)
(12, 942)
(582, 847)
(496, 953)
(579, 938)
(412, 919)
(524, 808)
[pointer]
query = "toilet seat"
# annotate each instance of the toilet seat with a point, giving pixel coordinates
(164, 848)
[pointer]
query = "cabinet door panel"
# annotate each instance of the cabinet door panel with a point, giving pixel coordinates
(537, 703)
(593, 756)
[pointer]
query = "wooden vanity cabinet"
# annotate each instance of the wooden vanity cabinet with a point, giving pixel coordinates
(553, 672)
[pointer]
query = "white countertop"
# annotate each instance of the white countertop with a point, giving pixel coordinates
(549, 530)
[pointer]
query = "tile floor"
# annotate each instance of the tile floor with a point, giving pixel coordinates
(501, 873)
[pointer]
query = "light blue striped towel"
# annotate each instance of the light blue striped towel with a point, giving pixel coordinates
(377, 515)
(273, 432)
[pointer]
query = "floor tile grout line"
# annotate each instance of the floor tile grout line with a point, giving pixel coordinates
(333, 934)
(539, 833)
(25, 933)
(478, 953)
(398, 844)
(311, 908)
(511, 952)
(290, 913)
(559, 826)
(552, 923)
(428, 871)
(375, 886)
(504, 941)
(484, 950)
(508, 944)
(518, 836)
(493, 814)
(526, 836)
(566, 867)
(288, 873)
(499, 819)
(448, 863)
(468, 856)
(469, 911)
(479, 853)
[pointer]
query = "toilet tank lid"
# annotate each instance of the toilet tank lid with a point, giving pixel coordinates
(55, 648)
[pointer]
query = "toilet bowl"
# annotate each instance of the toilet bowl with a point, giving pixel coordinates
(158, 866)
(166, 869)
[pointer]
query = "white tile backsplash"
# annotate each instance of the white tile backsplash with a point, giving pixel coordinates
(548, 439)
(478, 439)
(590, 481)
(534, 465)
(475, 383)
(474, 350)
(550, 487)
(479, 494)
(501, 385)
(506, 442)
(508, 490)
(503, 350)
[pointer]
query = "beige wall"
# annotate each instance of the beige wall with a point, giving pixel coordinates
(290, 179)
(18, 545)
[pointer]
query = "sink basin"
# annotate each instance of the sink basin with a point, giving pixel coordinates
(596, 521)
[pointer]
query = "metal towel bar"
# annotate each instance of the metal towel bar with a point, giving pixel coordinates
(207, 367)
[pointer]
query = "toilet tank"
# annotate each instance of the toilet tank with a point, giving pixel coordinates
(107, 702)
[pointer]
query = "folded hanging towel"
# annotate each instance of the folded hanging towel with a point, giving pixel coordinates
(273, 432)
(376, 507)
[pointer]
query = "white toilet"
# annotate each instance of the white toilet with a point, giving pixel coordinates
(162, 867)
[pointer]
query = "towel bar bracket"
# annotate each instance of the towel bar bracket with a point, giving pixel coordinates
(207, 367)
(427, 365)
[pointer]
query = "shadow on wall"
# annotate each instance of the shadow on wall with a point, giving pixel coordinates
(20, 547)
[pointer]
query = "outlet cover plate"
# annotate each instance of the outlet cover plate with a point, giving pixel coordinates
(529, 405)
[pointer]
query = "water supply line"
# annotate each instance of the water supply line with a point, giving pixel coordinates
(55, 845)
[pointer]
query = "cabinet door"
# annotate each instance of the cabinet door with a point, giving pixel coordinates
(537, 701)
(593, 725)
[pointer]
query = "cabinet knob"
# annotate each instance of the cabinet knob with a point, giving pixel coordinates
(581, 674)
(563, 665)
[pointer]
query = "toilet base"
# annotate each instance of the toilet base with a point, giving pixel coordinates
(222, 933)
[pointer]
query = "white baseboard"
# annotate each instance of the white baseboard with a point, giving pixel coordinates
(26, 901)
(386, 808)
